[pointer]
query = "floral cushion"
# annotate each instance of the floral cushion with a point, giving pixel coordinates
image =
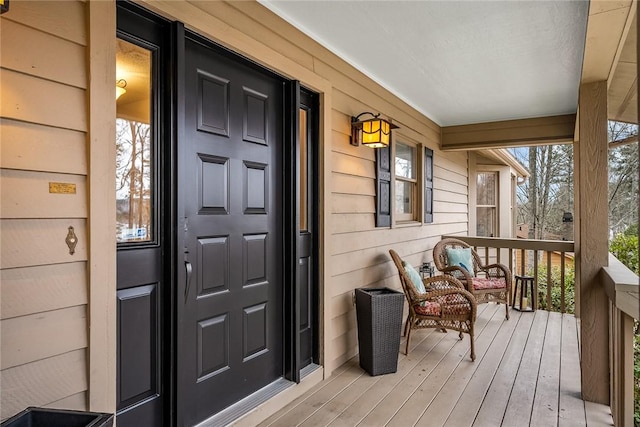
(428, 308)
(481, 283)
(453, 304)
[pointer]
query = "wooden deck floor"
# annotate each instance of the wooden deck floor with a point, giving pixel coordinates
(527, 372)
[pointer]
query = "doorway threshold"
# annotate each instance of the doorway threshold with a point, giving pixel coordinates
(260, 405)
(237, 410)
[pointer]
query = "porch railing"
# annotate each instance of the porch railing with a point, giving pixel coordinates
(526, 256)
(620, 284)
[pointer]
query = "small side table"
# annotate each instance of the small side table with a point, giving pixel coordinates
(526, 304)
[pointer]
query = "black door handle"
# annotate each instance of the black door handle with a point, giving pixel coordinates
(189, 268)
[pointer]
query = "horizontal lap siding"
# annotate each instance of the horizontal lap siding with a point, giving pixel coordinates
(43, 125)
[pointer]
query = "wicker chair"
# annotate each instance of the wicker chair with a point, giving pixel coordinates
(487, 283)
(444, 305)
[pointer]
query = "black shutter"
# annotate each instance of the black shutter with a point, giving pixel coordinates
(383, 186)
(428, 185)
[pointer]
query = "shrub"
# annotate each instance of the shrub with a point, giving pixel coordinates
(556, 292)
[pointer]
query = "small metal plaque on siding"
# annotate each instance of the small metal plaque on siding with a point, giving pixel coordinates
(62, 188)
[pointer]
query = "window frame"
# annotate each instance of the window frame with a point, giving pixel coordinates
(416, 188)
(496, 198)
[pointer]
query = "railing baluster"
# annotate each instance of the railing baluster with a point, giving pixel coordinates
(524, 248)
(549, 282)
(535, 278)
(563, 307)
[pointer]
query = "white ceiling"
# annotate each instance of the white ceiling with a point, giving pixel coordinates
(457, 62)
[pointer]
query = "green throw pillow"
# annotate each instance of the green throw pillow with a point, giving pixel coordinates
(460, 257)
(414, 276)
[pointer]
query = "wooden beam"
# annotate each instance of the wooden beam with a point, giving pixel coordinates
(510, 133)
(591, 245)
(606, 30)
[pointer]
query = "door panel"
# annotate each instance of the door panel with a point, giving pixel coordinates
(230, 154)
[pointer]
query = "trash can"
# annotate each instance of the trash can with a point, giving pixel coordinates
(42, 417)
(379, 313)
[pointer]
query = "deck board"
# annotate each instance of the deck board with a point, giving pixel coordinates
(527, 373)
(495, 401)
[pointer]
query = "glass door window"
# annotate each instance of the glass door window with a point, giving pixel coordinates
(134, 145)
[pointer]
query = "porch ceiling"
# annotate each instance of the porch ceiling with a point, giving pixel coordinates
(458, 62)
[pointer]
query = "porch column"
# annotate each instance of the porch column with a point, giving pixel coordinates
(591, 163)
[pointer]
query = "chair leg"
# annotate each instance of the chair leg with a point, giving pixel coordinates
(460, 335)
(406, 350)
(473, 347)
(506, 306)
(407, 325)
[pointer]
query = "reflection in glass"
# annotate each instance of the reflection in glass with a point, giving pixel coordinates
(404, 161)
(134, 165)
(404, 197)
(486, 222)
(302, 174)
(486, 188)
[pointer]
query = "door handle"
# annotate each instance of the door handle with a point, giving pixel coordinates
(189, 269)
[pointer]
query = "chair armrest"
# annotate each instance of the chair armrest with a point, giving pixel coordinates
(451, 270)
(505, 270)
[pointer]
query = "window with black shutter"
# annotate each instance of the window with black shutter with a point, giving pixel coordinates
(428, 185)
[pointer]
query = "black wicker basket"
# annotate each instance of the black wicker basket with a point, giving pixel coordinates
(45, 417)
(379, 312)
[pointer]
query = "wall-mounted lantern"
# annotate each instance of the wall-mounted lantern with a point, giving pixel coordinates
(374, 132)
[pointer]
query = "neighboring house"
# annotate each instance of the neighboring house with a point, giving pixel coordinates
(245, 218)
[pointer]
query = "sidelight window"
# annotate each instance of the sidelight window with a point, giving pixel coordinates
(134, 145)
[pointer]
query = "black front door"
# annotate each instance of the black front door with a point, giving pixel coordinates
(230, 290)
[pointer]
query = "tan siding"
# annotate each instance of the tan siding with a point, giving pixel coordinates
(77, 402)
(25, 194)
(42, 59)
(43, 124)
(42, 288)
(43, 382)
(350, 184)
(37, 336)
(353, 165)
(347, 223)
(350, 203)
(39, 242)
(28, 104)
(48, 17)
(35, 147)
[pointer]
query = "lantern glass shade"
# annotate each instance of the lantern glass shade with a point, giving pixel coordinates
(374, 133)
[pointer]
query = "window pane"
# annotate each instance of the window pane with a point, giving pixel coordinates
(303, 170)
(405, 161)
(404, 197)
(134, 165)
(486, 188)
(486, 222)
